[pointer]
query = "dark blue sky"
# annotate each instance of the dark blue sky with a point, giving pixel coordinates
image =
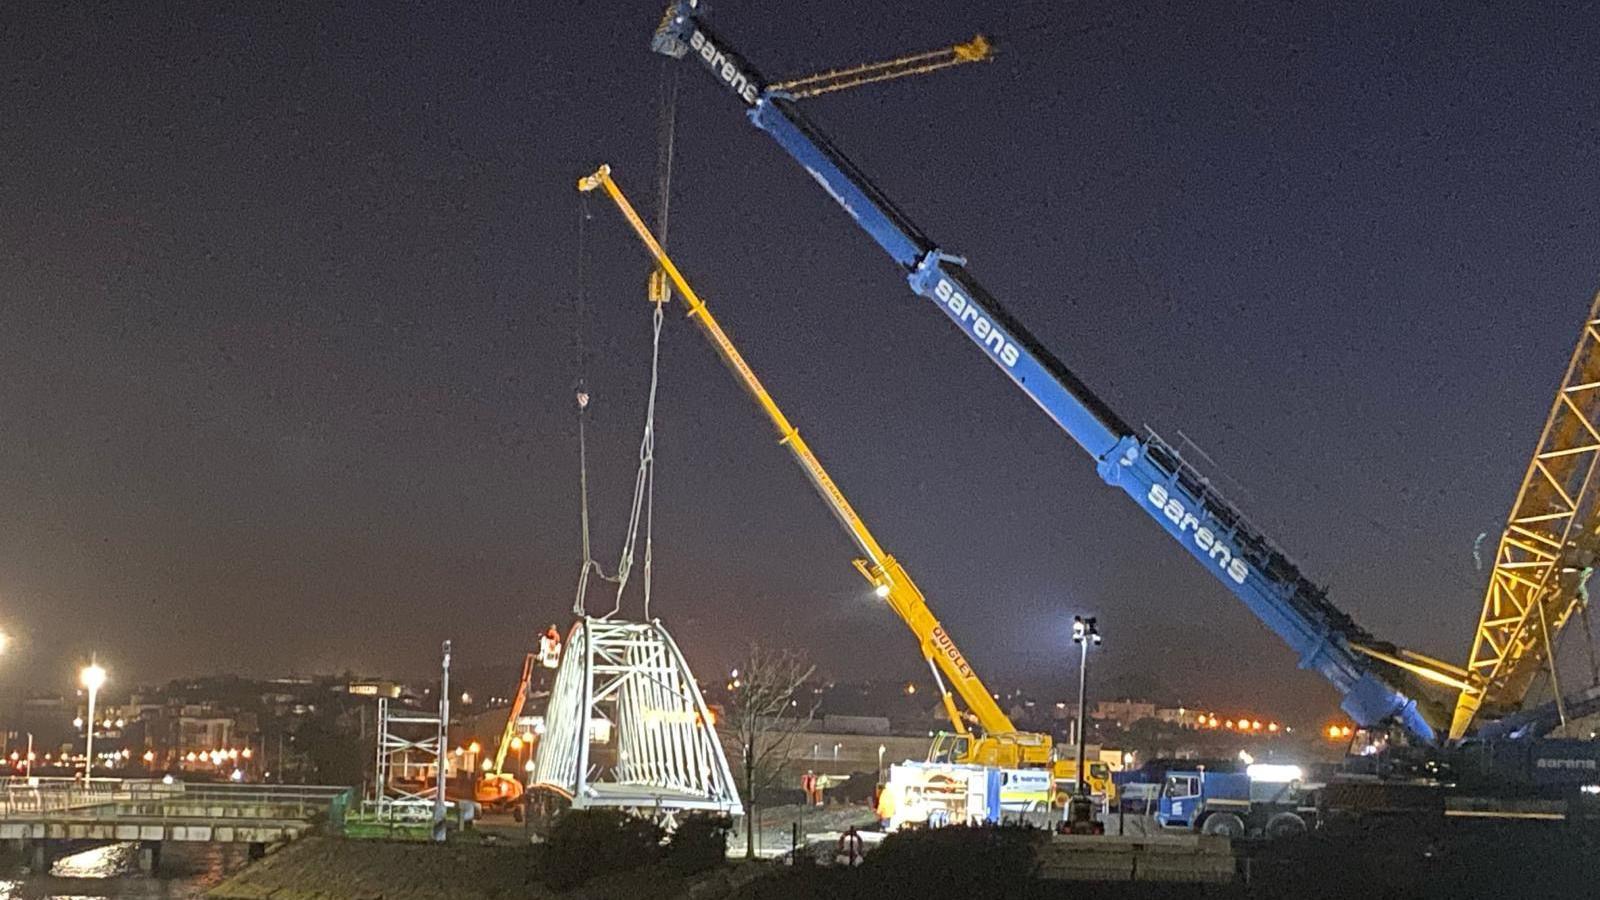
(286, 321)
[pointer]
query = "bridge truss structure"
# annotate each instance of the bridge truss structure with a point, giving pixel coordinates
(1546, 553)
(627, 727)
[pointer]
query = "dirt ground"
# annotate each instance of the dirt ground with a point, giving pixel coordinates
(327, 868)
(775, 827)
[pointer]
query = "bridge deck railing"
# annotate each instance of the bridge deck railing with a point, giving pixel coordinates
(109, 798)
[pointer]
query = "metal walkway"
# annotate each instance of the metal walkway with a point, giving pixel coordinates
(47, 816)
(628, 729)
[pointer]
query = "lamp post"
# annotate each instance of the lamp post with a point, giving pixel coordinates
(92, 677)
(443, 740)
(1084, 633)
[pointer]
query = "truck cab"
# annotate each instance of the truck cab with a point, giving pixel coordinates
(1098, 780)
(1267, 801)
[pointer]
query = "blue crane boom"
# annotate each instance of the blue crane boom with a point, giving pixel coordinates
(1370, 680)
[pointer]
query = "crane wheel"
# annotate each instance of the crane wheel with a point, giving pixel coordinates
(1225, 824)
(1285, 825)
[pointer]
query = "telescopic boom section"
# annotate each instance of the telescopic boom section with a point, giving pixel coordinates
(1151, 472)
(513, 714)
(888, 577)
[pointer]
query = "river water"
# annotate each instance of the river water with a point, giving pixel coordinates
(187, 871)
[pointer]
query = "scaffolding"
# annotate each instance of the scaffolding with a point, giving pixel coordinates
(409, 771)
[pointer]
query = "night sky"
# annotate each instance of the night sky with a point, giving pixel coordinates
(287, 325)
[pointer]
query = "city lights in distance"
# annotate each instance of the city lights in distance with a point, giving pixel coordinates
(1243, 725)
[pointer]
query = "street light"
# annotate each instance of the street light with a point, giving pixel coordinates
(1084, 633)
(92, 677)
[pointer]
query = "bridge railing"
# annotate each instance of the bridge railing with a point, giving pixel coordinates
(109, 798)
(54, 796)
(398, 811)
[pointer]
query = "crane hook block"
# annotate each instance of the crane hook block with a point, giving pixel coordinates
(660, 290)
(975, 50)
(583, 400)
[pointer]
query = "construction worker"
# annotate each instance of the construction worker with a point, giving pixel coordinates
(550, 647)
(887, 804)
(808, 783)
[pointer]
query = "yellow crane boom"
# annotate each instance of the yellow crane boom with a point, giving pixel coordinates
(1001, 743)
(1547, 552)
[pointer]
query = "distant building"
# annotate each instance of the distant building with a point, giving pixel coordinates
(1181, 716)
(390, 689)
(856, 724)
(1123, 712)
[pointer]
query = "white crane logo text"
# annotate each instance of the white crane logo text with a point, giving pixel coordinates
(724, 67)
(1204, 538)
(971, 317)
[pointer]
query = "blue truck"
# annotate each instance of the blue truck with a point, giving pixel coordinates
(1271, 801)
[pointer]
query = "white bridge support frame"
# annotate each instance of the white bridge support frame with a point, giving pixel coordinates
(662, 757)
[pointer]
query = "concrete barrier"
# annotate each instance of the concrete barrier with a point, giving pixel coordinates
(1166, 858)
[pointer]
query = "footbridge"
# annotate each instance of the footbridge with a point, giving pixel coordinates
(627, 728)
(49, 819)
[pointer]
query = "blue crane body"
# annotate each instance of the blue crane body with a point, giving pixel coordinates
(1151, 472)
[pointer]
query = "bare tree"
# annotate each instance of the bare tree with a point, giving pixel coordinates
(768, 709)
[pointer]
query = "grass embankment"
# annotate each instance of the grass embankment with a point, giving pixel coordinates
(1449, 862)
(330, 868)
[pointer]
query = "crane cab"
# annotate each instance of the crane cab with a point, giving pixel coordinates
(1016, 750)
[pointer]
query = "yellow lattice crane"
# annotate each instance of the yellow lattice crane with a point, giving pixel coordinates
(1546, 553)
